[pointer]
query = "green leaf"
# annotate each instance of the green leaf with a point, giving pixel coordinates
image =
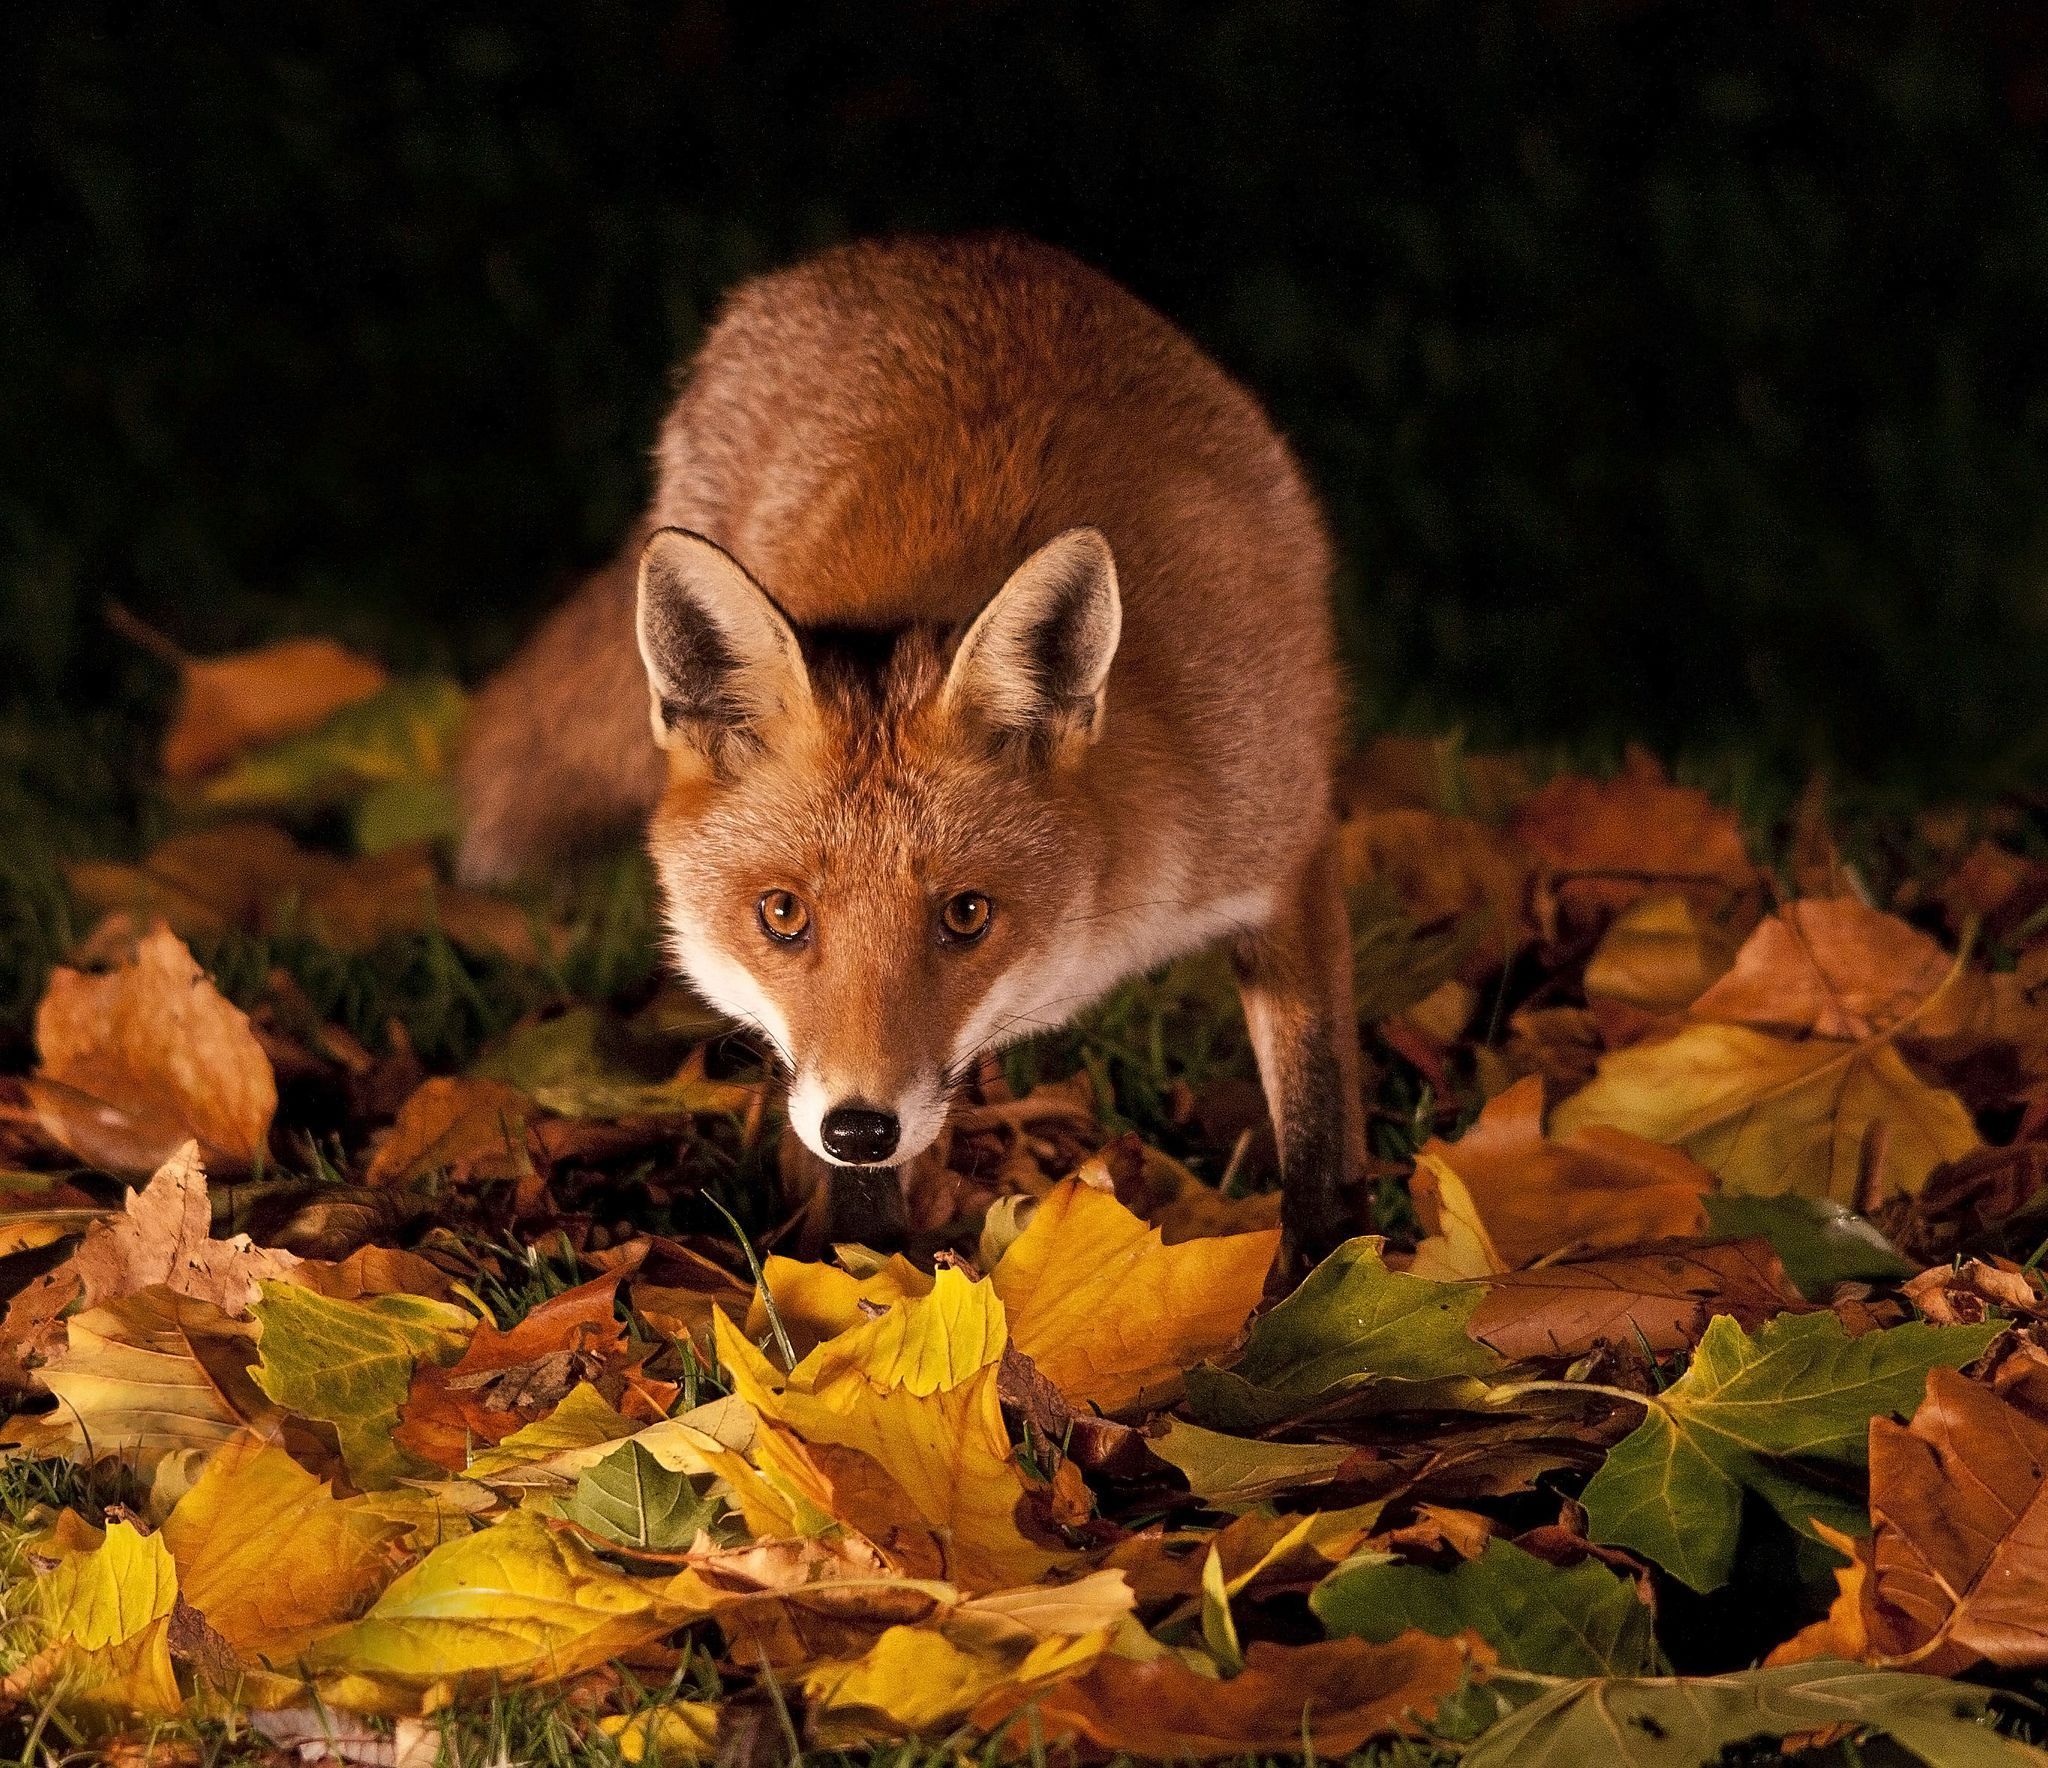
(629, 1497)
(1683, 1721)
(1819, 1241)
(1234, 1473)
(403, 733)
(351, 1362)
(1768, 1413)
(1219, 1628)
(1551, 1620)
(400, 812)
(1352, 1324)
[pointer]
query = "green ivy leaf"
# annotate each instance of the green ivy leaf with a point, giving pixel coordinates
(1582, 1620)
(1352, 1325)
(630, 1498)
(1819, 1241)
(1682, 1721)
(1775, 1413)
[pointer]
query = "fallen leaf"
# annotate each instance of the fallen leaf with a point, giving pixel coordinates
(1767, 1115)
(506, 1379)
(675, 1734)
(138, 1062)
(227, 705)
(1110, 1314)
(1552, 1621)
(1659, 1296)
(473, 1130)
(631, 1498)
(1332, 1695)
(1830, 968)
(1821, 1242)
(1658, 956)
(516, 1602)
(563, 1065)
(1682, 1721)
(149, 1375)
(1605, 844)
(1960, 1513)
(403, 733)
(1232, 1472)
(1351, 1324)
(269, 1555)
(110, 1593)
(163, 1235)
(1763, 1412)
(351, 1362)
(1580, 1189)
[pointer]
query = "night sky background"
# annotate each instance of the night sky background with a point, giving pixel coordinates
(1673, 372)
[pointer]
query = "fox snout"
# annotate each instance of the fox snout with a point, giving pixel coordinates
(865, 1126)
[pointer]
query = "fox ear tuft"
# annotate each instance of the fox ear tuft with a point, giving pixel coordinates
(1035, 663)
(722, 661)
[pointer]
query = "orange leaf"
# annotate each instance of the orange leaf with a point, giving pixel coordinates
(1827, 969)
(1594, 1188)
(472, 1129)
(1337, 1693)
(506, 1379)
(229, 704)
(138, 1062)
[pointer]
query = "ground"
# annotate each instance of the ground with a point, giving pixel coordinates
(416, 1345)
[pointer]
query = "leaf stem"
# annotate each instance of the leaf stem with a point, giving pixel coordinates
(1513, 1390)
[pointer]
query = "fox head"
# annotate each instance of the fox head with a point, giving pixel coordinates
(874, 848)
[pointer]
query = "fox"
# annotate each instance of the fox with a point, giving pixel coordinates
(975, 653)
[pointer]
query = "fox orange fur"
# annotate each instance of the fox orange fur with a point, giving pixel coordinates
(985, 625)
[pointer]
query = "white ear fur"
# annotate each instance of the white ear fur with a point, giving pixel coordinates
(1036, 659)
(720, 656)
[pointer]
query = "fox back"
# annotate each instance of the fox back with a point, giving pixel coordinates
(984, 626)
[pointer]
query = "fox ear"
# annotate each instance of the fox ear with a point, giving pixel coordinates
(721, 659)
(1036, 660)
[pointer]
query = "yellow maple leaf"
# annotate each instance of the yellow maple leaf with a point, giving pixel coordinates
(944, 1448)
(267, 1552)
(1109, 1313)
(110, 1593)
(1819, 1116)
(818, 1301)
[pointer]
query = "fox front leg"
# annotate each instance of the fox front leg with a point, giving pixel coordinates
(1294, 976)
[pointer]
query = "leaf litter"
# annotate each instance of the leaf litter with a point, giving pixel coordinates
(1697, 1265)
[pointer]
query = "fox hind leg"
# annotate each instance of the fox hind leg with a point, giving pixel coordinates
(1294, 976)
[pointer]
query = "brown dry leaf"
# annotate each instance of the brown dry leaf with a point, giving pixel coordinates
(1661, 1296)
(227, 705)
(162, 1236)
(508, 1379)
(1832, 969)
(1996, 888)
(1337, 1693)
(1766, 1115)
(1970, 1291)
(1507, 1193)
(1960, 1536)
(1604, 844)
(138, 1062)
(474, 1130)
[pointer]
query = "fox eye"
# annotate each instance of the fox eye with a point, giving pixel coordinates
(965, 917)
(783, 916)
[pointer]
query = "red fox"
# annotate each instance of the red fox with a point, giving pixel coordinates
(985, 626)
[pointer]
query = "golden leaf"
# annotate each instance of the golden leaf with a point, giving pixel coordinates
(1109, 1313)
(267, 1552)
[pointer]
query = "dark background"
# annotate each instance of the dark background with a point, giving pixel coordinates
(1672, 371)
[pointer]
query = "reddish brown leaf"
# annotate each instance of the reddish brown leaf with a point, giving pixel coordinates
(229, 704)
(1663, 1292)
(1959, 1504)
(506, 1379)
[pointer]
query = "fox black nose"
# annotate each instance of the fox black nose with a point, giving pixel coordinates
(859, 1133)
